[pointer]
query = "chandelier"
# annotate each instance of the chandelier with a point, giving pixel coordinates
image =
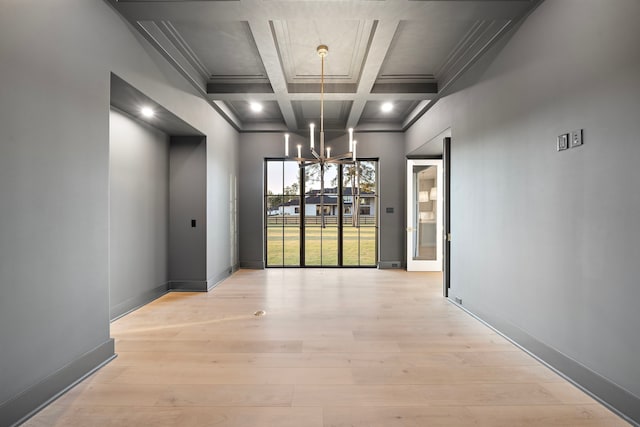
(323, 157)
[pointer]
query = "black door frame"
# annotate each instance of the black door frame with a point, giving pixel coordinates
(446, 265)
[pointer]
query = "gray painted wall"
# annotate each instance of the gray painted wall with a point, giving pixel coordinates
(188, 188)
(222, 178)
(546, 241)
(54, 157)
(255, 147)
(139, 212)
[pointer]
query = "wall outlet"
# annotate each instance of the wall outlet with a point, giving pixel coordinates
(576, 138)
(563, 142)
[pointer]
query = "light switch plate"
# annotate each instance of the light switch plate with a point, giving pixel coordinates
(563, 142)
(576, 138)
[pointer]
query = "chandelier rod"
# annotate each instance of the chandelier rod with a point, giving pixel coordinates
(322, 94)
(322, 54)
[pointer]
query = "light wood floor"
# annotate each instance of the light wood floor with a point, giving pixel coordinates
(337, 347)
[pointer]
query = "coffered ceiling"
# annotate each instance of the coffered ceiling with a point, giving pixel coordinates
(406, 52)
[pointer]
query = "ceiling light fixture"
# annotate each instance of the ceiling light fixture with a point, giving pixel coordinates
(386, 107)
(255, 107)
(147, 112)
(323, 157)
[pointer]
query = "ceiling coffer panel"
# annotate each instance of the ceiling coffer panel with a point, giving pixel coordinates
(372, 112)
(297, 41)
(223, 52)
(270, 112)
(335, 113)
(420, 51)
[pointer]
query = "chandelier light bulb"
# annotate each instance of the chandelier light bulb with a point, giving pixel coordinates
(350, 139)
(286, 145)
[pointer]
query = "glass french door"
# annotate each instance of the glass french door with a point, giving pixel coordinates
(282, 208)
(424, 215)
(334, 229)
(320, 216)
(359, 231)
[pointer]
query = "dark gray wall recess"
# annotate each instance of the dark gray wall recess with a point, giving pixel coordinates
(533, 253)
(139, 213)
(54, 187)
(188, 213)
(387, 147)
(158, 213)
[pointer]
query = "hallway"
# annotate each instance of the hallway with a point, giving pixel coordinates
(336, 347)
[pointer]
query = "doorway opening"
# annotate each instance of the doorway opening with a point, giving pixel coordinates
(424, 215)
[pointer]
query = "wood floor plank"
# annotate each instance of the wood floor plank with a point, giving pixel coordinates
(421, 395)
(568, 393)
(268, 360)
(230, 346)
(336, 347)
(404, 416)
(136, 395)
(187, 373)
(544, 415)
(462, 375)
(497, 358)
(97, 416)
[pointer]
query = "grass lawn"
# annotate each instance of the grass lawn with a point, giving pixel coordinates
(321, 245)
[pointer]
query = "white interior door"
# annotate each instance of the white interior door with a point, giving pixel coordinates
(424, 215)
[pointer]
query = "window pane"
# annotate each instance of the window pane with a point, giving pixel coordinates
(275, 177)
(312, 241)
(367, 176)
(275, 236)
(368, 237)
(350, 235)
(330, 242)
(291, 178)
(312, 179)
(291, 244)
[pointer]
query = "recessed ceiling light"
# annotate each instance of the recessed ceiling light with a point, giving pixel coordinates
(255, 107)
(386, 107)
(147, 111)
